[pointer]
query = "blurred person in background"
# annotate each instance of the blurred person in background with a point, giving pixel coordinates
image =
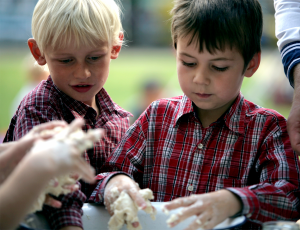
(287, 29)
(152, 90)
(34, 74)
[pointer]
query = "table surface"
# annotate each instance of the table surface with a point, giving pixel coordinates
(96, 217)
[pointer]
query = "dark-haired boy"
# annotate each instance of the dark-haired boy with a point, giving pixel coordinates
(232, 156)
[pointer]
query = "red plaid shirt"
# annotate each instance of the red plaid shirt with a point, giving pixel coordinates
(246, 151)
(46, 103)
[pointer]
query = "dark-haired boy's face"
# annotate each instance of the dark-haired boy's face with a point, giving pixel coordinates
(211, 81)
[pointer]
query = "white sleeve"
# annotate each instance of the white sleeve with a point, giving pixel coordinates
(287, 21)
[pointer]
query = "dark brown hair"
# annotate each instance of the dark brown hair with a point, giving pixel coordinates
(219, 23)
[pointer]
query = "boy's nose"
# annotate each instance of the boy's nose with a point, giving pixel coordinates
(82, 72)
(201, 77)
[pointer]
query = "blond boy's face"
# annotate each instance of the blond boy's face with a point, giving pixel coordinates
(80, 72)
(211, 81)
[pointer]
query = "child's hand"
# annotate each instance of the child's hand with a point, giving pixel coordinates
(211, 209)
(123, 183)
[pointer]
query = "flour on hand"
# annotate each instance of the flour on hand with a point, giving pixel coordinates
(126, 211)
(82, 141)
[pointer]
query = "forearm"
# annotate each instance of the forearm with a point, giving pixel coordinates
(296, 77)
(20, 191)
(5, 146)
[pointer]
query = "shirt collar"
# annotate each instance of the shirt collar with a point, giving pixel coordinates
(185, 107)
(234, 118)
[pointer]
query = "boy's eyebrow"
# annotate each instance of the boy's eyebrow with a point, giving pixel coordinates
(215, 59)
(222, 59)
(186, 54)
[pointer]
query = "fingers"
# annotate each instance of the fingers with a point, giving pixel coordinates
(95, 134)
(181, 202)
(76, 124)
(133, 192)
(71, 187)
(86, 171)
(52, 202)
(195, 209)
(202, 222)
(49, 125)
(75, 176)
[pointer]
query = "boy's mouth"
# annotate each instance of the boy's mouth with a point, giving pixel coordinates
(203, 95)
(81, 88)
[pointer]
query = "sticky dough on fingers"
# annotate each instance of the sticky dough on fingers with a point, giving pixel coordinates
(126, 211)
(82, 141)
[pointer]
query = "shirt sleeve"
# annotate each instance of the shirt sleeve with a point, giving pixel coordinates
(287, 30)
(127, 159)
(276, 196)
(70, 213)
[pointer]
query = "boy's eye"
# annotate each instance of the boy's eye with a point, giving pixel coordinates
(65, 61)
(94, 58)
(188, 64)
(220, 69)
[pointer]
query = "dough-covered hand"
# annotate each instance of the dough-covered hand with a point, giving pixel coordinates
(122, 183)
(123, 198)
(37, 130)
(64, 151)
(210, 209)
(61, 155)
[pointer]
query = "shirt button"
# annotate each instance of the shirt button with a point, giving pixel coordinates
(200, 146)
(191, 188)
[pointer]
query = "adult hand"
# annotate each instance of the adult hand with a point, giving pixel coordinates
(123, 183)
(293, 123)
(210, 209)
(65, 155)
(36, 131)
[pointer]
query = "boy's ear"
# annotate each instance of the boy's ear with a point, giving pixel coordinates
(35, 51)
(117, 48)
(253, 65)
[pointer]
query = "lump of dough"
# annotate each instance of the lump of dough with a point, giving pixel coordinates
(55, 186)
(126, 211)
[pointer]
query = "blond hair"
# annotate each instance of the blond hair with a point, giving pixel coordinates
(59, 22)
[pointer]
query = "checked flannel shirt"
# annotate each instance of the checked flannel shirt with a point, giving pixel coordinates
(246, 151)
(46, 103)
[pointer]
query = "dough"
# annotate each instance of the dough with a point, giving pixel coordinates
(126, 211)
(55, 186)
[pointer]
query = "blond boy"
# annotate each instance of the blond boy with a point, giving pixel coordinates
(77, 40)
